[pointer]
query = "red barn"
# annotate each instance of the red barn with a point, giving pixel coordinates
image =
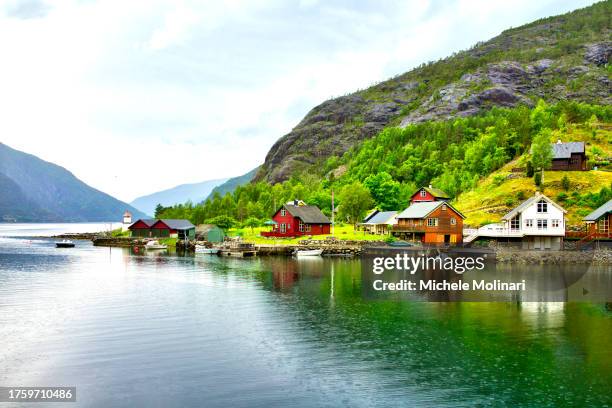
(141, 228)
(429, 194)
(296, 219)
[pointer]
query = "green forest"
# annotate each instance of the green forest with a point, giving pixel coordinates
(384, 171)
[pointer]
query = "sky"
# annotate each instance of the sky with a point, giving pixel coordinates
(138, 96)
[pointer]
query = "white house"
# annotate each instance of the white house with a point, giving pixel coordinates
(538, 222)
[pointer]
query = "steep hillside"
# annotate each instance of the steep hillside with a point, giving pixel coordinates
(504, 189)
(194, 192)
(34, 190)
(230, 185)
(15, 206)
(557, 58)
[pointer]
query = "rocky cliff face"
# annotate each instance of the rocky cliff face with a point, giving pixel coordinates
(563, 57)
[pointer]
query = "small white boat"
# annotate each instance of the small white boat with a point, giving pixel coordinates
(200, 249)
(64, 243)
(309, 252)
(155, 245)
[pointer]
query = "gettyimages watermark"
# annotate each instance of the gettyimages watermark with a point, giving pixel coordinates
(472, 275)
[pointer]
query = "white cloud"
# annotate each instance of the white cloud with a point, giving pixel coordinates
(192, 90)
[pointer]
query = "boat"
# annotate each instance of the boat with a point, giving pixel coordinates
(65, 243)
(309, 252)
(155, 245)
(201, 249)
(402, 244)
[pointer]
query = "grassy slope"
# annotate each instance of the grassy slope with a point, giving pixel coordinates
(492, 199)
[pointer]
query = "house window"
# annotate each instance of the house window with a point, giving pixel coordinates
(515, 223)
(555, 223)
(603, 226)
(542, 206)
(423, 193)
(443, 207)
(453, 221)
(301, 226)
(432, 222)
(529, 223)
(542, 224)
(283, 228)
(307, 227)
(283, 212)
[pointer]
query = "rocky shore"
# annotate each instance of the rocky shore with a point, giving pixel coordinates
(516, 256)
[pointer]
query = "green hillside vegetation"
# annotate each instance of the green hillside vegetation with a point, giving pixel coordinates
(457, 156)
(559, 58)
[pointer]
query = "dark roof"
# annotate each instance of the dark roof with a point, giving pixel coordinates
(178, 224)
(600, 212)
(565, 150)
(147, 221)
(309, 214)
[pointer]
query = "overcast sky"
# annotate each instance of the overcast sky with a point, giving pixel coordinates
(138, 96)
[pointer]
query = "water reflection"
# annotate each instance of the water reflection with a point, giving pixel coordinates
(171, 329)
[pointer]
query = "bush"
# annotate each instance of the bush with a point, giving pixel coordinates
(520, 195)
(389, 239)
(529, 170)
(562, 197)
(498, 179)
(537, 179)
(565, 183)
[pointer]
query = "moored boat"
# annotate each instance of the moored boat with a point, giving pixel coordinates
(155, 245)
(200, 249)
(308, 252)
(64, 243)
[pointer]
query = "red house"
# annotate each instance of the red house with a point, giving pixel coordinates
(141, 228)
(295, 219)
(166, 228)
(429, 194)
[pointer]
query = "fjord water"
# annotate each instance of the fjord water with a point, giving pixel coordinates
(167, 330)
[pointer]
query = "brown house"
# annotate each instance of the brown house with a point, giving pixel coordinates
(598, 222)
(569, 156)
(430, 222)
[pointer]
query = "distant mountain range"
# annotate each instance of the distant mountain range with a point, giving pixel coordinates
(195, 192)
(230, 185)
(33, 190)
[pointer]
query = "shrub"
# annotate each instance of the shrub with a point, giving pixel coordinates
(529, 170)
(562, 197)
(537, 179)
(389, 239)
(565, 183)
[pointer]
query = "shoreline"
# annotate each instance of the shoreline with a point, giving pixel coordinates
(355, 248)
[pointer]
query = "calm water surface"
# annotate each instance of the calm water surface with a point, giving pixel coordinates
(162, 330)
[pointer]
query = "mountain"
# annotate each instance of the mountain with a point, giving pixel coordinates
(194, 192)
(34, 190)
(230, 185)
(557, 58)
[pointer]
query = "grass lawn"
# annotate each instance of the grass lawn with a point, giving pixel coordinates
(343, 232)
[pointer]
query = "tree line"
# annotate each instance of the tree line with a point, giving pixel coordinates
(384, 171)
